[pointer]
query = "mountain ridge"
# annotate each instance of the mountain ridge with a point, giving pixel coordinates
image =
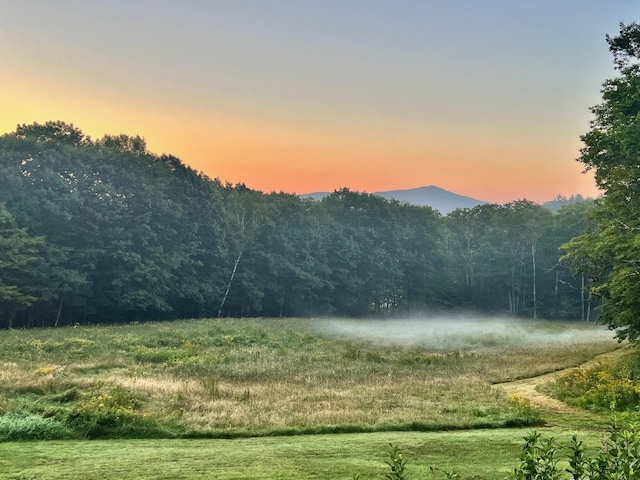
(432, 196)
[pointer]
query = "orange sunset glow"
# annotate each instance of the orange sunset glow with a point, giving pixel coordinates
(484, 100)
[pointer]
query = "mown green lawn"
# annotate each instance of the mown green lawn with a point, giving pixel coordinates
(476, 454)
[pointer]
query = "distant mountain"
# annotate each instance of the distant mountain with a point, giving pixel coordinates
(315, 195)
(435, 197)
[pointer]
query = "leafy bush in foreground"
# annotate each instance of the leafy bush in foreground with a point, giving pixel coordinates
(618, 459)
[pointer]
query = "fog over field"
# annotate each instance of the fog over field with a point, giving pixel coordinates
(468, 332)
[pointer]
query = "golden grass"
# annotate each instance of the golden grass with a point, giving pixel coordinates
(158, 386)
(257, 376)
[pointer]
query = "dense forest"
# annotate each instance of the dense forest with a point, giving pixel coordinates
(96, 231)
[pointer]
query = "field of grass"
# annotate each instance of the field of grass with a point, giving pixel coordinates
(192, 381)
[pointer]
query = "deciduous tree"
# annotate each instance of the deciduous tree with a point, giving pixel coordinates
(612, 151)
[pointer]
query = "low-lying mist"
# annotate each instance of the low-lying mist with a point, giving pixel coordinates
(465, 332)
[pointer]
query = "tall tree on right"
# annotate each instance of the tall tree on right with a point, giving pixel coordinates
(611, 150)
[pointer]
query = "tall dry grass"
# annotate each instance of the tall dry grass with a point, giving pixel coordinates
(216, 377)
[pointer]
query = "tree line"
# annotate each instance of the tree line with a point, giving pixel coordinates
(95, 231)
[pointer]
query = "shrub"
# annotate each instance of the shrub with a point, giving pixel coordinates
(618, 459)
(600, 387)
(522, 410)
(538, 459)
(397, 464)
(108, 414)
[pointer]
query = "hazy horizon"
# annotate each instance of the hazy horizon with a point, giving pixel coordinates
(328, 192)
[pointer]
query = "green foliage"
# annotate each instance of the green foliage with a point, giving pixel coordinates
(618, 459)
(538, 459)
(577, 460)
(19, 252)
(397, 464)
(32, 427)
(609, 255)
(53, 131)
(105, 231)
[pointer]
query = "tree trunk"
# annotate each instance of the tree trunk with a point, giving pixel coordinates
(282, 300)
(535, 298)
(582, 302)
(233, 274)
(59, 311)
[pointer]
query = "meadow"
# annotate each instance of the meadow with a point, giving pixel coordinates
(218, 390)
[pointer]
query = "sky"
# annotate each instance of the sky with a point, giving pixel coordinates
(486, 98)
